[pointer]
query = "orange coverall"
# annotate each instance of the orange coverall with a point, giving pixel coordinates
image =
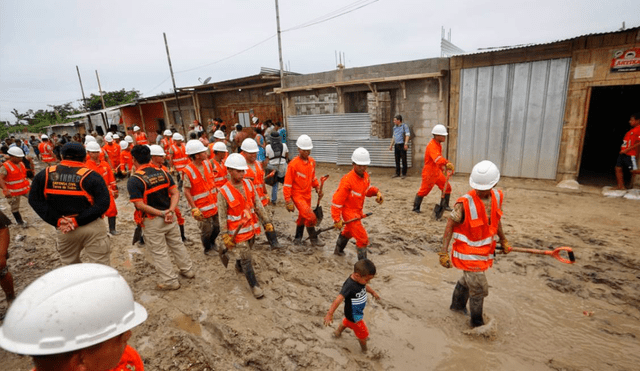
(300, 178)
(348, 202)
(432, 170)
(113, 151)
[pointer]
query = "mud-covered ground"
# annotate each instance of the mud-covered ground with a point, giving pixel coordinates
(542, 314)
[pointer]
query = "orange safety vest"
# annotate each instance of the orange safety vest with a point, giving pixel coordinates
(113, 151)
(46, 152)
(203, 189)
(105, 172)
(474, 243)
(257, 178)
(219, 173)
(16, 178)
(165, 143)
(141, 138)
(66, 179)
(179, 157)
(240, 210)
(348, 201)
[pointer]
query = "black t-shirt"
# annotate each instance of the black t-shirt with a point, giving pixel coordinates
(154, 178)
(355, 299)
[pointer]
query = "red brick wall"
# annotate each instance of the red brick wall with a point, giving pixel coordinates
(151, 113)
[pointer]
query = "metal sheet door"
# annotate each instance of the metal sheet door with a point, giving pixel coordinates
(512, 115)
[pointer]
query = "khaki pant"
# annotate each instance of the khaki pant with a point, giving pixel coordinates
(242, 250)
(92, 238)
(476, 282)
(14, 202)
(162, 241)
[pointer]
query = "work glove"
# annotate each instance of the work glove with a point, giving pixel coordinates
(379, 198)
(197, 214)
(290, 207)
(449, 166)
(444, 259)
(268, 227)
(506, 246)
(338, 225)
(228, 241)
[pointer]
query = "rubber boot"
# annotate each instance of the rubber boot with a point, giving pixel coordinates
(141, 240)
(416, 204)
(362, 253)
(459, 299)
(207, 246)
(112, 225)
(313, 237)
(212, 238)
(447, 197)
(475, 306)
(273, 239)
(341, 243)
(18, 217)
(297, 240)
(620, 178)
(184, 238)
(247, 268)
(238, 266)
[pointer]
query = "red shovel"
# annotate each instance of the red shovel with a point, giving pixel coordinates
(318, 209)
(555, 253)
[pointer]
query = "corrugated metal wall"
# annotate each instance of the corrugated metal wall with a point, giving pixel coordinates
(512, 115)
(335, 137)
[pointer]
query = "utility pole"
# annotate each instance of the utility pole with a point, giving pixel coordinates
(84, 100)
(166, 45)
(283, 97)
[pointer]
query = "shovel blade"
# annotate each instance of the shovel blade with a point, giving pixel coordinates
(137, 235)
(319, 214)
(438, 210)
(224, 258)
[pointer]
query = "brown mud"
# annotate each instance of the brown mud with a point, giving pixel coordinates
(541, 314)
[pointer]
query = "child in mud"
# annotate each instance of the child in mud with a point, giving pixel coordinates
(354, 294)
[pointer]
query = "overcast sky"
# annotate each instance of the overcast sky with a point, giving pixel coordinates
(41, 42)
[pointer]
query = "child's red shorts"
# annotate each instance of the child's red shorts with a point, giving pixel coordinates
(359, 328)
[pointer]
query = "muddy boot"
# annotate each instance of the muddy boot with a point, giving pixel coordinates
(238, 266)
(313, 237)
(141, 242)
(362, 253)
(297, 240)
(447, 197)
(112, 225)
(208, 249)
(416, 204)
(273, 239)
(341, 243)
(18, 217)
(475, 306)
(184, 238)
(212, 238)
(247, 267)
(459, 299)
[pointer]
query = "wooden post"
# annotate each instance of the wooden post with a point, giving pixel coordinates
(167, 118)
(144, 126)
(196, 104)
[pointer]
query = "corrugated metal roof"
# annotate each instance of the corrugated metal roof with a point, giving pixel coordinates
(85, 114)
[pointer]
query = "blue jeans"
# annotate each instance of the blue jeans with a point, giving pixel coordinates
(274, 192)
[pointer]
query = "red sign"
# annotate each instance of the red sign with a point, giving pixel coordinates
(626, 60)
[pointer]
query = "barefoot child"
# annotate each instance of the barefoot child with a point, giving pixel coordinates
(354, 294)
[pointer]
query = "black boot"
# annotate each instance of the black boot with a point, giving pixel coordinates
(447, 196)
(362, 253)
(460, 298)
(475, 306)
(273, 239)
(18, 217)
(212, 238)
(341, 243)
(184, 238)
(238, 266)
(206, 243)
(247, 267)
(313, 237)
(297, 240)
(416, 204)
(141, 240)
(112, 225)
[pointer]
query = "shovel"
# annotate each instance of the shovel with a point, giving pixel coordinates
(318, 209)
(345, 223)
(555, 253)
(438, 210)
(223, 251)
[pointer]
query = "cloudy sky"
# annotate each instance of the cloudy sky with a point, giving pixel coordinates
(41, 42)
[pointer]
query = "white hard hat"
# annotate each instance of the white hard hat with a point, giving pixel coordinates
(129, 138)
(136, 128)
(219, 146)
(156, 150)
(249, 145)
(177, 136)
(15, 152)
(236, 161)
(254, 119)
(124, 144)
(92, 147)
(484, 175)
(89, 138)
(44, 136)
(167, 133)
(304, 142)
(70, 308)
(194, 146)
(218, 134)
(439, 130)
(116, 136)
(108, 138)
(361, 156)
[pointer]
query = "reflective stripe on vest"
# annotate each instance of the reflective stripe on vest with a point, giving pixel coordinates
(16, 178)
(203, 192)
(179, 158)
(465, 239)
(64, 189)
(238, 211)
(462, 256)
(45, 153)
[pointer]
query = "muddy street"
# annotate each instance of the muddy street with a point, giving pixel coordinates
(541, 314)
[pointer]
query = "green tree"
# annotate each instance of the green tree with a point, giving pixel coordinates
(112, 98)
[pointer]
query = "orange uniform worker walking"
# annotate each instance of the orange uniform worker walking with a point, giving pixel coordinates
(432, 172)
(165, 142)
(298, 181)
(178, 158)
(102, 168)
(14, 182)
(126, 161)
(46, 150)
(220, 153)
(348, 202)
(139, 136)
(113, 151)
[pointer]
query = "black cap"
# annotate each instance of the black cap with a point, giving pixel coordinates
(73, 151)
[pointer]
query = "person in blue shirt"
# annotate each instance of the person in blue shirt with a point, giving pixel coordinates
(400, 144)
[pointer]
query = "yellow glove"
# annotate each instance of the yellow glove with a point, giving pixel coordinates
(197, 214)
(444, 259)
(506, 246)
(449, 166)
(379, 198)
(338, 225)
(268, 227)
(290, 207)
(228, 241)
